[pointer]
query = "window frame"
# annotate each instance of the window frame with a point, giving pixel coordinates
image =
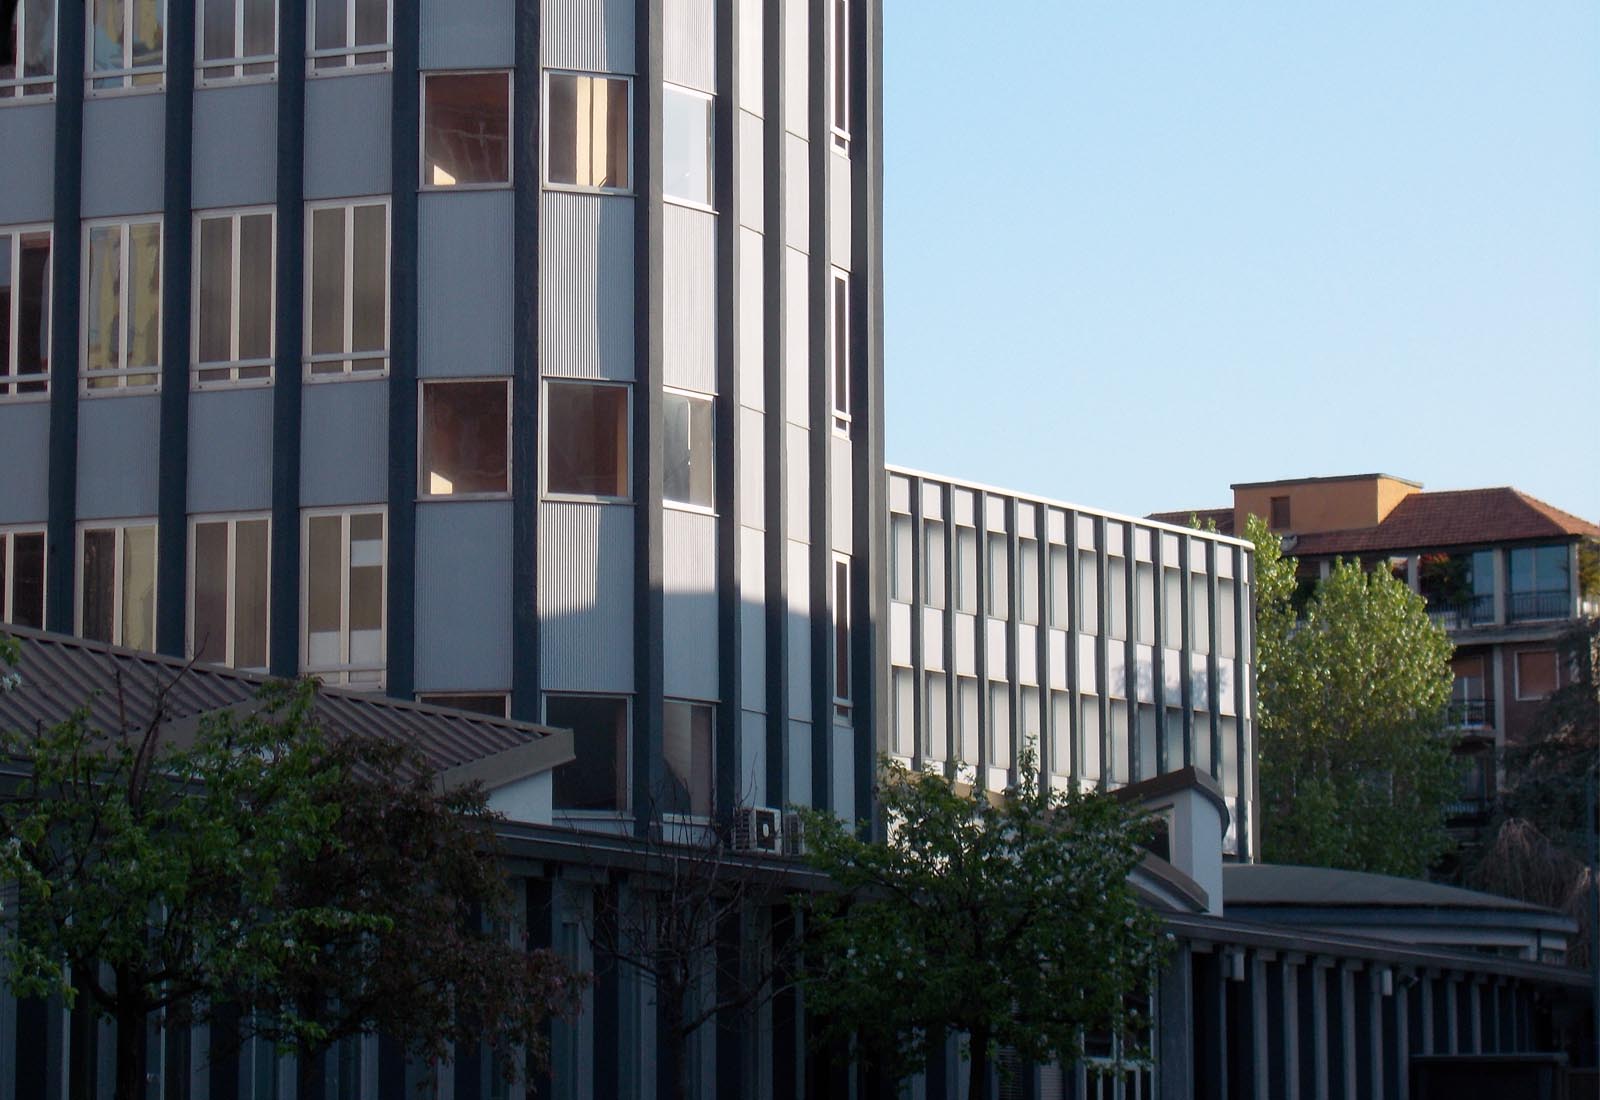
(839, 56)
(1516, 674)
(689, 816)
(624, 766)
(234, 364)
(350, 52)
(843, 628)
(839, 339)
(232, 519)
(545, 492)
(670, 502)
(13, 90)
(120, 374)
(8, 569)
(349, 357)
(8, 355)
(236, 63)
(423, 77)
(128, 74)
(118, 597)
(339, 676)
(710, 100)
(544, 134)
(499, 494)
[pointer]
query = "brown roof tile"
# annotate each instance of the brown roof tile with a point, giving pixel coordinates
(1462, 517)
(1223, 517)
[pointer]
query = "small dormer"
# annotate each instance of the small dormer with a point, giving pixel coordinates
(1307, 505)
(1192, 823)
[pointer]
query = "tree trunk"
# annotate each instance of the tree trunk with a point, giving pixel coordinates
(978, 1068)
(132, 1047)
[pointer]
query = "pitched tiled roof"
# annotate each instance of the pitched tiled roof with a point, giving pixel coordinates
(61, 673)
(1222, 517)
(1462, 517)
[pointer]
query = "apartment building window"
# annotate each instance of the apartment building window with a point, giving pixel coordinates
(687, 747)
(24, 311)
(686, 145)
(839, 351)
(22, 577)
(688, 449)
(28, 51)
(903, 716)
(967, 706)
(127, 44)
(999, 724)
(350, 34)
(233, 298)
(466, 129)
(1089, 730)
(936, 719)
(1200, 613)
(228, 560)
(465, 438)
(842, 692)
(1468, 706)
(1060, 588)
(900, 557)
(493, 704)
(1279, 507)
(966, 569)
(122, 305)
(1117, 598)
(347, 289)
(597, 781)
(1171, 609)
(1541, 582)
(999, 594)
(1028, 580)
(1145, 586)
(933, 571)
(117, 583)
(1060, 733)
(587, 440)
(343, 556)
(1088, 592)
(588, 142)
(238, 39)
(839, 86)
(1538, 673)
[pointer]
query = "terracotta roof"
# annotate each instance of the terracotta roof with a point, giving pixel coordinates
(1223, 517)
(1462, 517)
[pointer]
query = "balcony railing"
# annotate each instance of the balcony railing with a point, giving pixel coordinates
(1468, 714)
(1461, 611)
(1466, 807)
(1550, 604)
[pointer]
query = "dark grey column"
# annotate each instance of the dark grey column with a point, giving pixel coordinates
(818, 295)
(1186, 646)
(1158, 659)
(1074, 594)
(1042, 645)
(1138, 768)
(1013, 633)
(776, 464)
(1175, 1029)
(1102, 649)
(1213, 696)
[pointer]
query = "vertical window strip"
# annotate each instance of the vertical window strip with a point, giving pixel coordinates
(118, 63)
(120, 371)
(237, 367)
(345, 669)
(30, 70)
(348, 52)
(839, 352)
(240, 62)
(325, 365)
(25, 305)
(22, 547)
(842, 693)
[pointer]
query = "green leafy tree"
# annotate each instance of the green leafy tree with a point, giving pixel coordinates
(1356, 771)
(1007, 918)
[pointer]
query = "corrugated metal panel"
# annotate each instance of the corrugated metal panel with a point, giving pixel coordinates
(752, 34)
(797, 488)
(752, 781)
(841, 496)
(344, 443)
(753, 616)
(467, 34)
(966, 641)
(797, 339)
(799, 749)
(796, 45)
(839, 234)
(798, 559)
(797, 193)
(844, 772)
(689, 583)
(994, 647)
(1027, 654)
(900, 634)
(591, 35)
(235, 145)
(688, 43)
(752, 470)
(1225, 700)
(29, 196)
(586, 597)
(123, 155)
(464, 275)
(230, 450)
(347, 136)
(463, 610)
(689, 298)
(752, 329)
(933, 638)
(586, 286)
(752, 171)
(26, 431)
(118, 456)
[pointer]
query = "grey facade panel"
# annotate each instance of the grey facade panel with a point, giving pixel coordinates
(752, 469)
(26, 430)
(799, 753)
(752, 617)
(29, 196)
(590, 35)
(797, 339)
(844, 772)
(797, 199)
(689, 305)
(344, 444)
(235, 146)
(752, 74)
(586, 286)
(689, 43)
(752, 171)
(689, 582)
(796, 67)
(464, 275)
(797, 493)
(467, 34)
(798, 627)
(841, 526)
(585, 576)
(752, 783)
(347, 136)
(230, 450)
(463, 596)
(752, 330)
(118, 456)
(839, 232)
(124, 155)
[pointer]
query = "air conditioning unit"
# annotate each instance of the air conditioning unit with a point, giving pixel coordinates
(794, 834)
(757, 829)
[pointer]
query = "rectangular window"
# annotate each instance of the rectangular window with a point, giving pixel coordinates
(967, 569)
(1541, 584)
(902, 720)
(936, 719)
(999, 724)
(999, 602)
(233, 298)
(127, 44)
(900, 558)
(1089, 729)
(839, 86)
(228, 560)
(347, 289)
(1117, 598)
(465, 438)
(688, 448)
(839, 351)
(238, 40)
(342, 596)
(1538, 673)
(686, 145)
(24, 312)
(1279, 507)
(350, 34)
(22, 577)
(588, 142)
(1200, 612)
(1145, 579)
(842, 694)
(933, 573)
(597, 781)
(1171, 609)
(586, 440)
(122, 305)
(1088, 592)
(967, 720)
(28, 51)
(1028, 580)
(1060, 588)
(466, 129)
(1060, 733)
(117, 584)
(687, 745)
(492, 704)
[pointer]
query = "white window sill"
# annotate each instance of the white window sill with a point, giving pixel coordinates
(574, 189)
(446, 188)
(579, 498)
(692, 509)
(688, 204)
(437, 498)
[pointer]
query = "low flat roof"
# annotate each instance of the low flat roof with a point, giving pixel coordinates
(1328, 480)
(1270, 884)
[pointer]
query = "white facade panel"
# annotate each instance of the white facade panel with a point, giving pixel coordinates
(1088, 665)
(797, 338)
(689, 589)
(797, 478)
(796, 193)
(1226, 703)
(589, 35)
(752, 72)
(966, 642)
(1117, 670)
(585, 575)
(796, 64)
(689, 298)
(752, 320)
(839, 233)
(1200, 681)
(1027, 654)
(1146, 673)
(844, 772)
(1172, 675)
(841, 496)
(994, 643)
(752, 470)
(751, 786)
(752, 171)
(799, 749)
(586, 286)
(689, 43)
(1058, 660)
(932, 501)
(753, 618)
(798, 561)
(932, 638)
(900, 634)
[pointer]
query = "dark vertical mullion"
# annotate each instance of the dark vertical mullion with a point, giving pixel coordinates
(648, 613)
(1042, 645)
(1213, 696)
(775, 404)
(177, 255)
(1158, 661)
(952, 679)
(819, 297)
(1243, 692)
(284, 654)
(1014, 632)
(1186, 648)
(1102, 648)
(980, 642)
(527, 85)
(919, 597)
(1130, 643)
(66, 272)
(1074, 699)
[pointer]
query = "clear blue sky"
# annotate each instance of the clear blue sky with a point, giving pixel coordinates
(1251, 239)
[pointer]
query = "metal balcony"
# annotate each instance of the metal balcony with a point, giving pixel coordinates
(1468, 714)
(1461, 611)
(1553, 603)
